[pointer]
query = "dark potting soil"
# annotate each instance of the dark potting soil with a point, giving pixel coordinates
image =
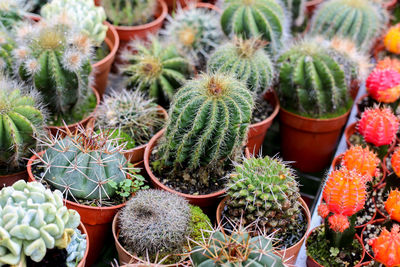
(263, 109)
(365, 215)
(54, 257)
(380, 198)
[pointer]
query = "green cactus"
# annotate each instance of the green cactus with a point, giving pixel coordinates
(359, 20)
(56, 61)
(34, 220)
(311, 82)
(80, 13)
(200, 225)
(21, 122)
(7, 45)
(256, 18)
(247, 60)
(129, 12)
(208, 122)
(156, 69)
(10, 13)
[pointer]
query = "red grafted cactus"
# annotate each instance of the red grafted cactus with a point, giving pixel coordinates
(362, 160)
(392, 205)
(384, 85)
(395, 161)
(323, 210)
(388, 63)
(338, 223)
(378, 126)
(386, 247)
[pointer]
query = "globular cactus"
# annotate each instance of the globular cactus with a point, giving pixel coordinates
(156, 69)
(34, 219)
(195, 32)
(56, 61)
(384, 85)
(247, 60)
(76, 248)
(363, 160)
(82, 14)
(7, 45)
(392, 205)
(392, 39)
(378, 126)
(256, 18)
(209, 120)
(386, 247)
(359, 20)
(21, 122)
(395, 161)
(128, 12)
(264, 191)
(311, 82)
(388, 63)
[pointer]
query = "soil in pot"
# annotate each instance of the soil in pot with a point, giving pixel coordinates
(54, 257)
(372, 231)
(263, 109)
(365, 215)
(380, 196)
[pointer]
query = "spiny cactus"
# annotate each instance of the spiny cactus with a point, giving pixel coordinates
(34, 220)
(392, 205)
(131, 113)
(209, 120)
(256, 18)
(154, 221)
(386, 247)
(10, 13)
(359, 20)
(392, 39)
(388, 63)
(155, 69)
(80, 13)
(312, 83)
(195, 32)
(247, 60)
(395, 161)
(21, 122)
(361, 159)
(264, 191)
(76, 248)
(56, 61)
(384, 85)
(7, 45)
(128, 12)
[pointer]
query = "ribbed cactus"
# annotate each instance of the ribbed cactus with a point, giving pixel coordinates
(82, 14)
(256, 18)
(247, 60)
(208, 122)
(395, 161)
(386, 247)
(21, 122)
(56, 61)
(195, 32)
(361, 159)
(7, 45)
(392, 205)
(156, 69)
(392, 39)
(129, 12)
(359, 20)
(34, 220)
(384, 85)
(264, 191)
(311, 82)
(388, 63)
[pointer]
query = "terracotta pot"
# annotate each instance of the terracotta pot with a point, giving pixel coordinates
(290, 254)
(312, 263)
(202, 201)
(97, 220)
(10, 179)
(309, 142)
(102, 68)
(312, 5)
(206, 5)
(258, 131)
(390, 5)
(83, 231)
(174, 4)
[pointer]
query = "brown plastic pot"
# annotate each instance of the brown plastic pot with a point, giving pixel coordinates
(289, 255)
(83, 230)
(309, 142)
(258, 131)
(202, 201)
(10, 179)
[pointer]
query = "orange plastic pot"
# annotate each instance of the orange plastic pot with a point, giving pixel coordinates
(258, 130)
(290, 254)
(10, 179)
(82, 228)
(206, 5)
(308, 142)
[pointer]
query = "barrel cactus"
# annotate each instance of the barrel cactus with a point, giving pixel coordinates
(156, 69)
(7, 45)
(359, 20)
(34, 220)
(21, 122)
(128, 12)
(247, 60)
(311, 82)
(256, 18)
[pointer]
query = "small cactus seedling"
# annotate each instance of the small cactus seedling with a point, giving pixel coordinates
(129, 12)
(247, 60)
(392, 205)
(392, 39)
(388, 63)
(361, 159)
(386, 247)
(384, 85)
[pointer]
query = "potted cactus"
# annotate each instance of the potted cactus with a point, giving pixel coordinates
(207, 127)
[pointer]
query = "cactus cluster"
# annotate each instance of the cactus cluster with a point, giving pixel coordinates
(392, 205)
(129, 12)
(7, 45)
(21, 122)
(392, 39)
(156, 69)
(383, 85)
(34, 219)
(359, 20)
(388, 63)
(386, 247)
(395, 162)
(361, 159)
(247, 60)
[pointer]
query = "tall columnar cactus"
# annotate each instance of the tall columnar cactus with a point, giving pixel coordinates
(384, 85)
(209, 120)
(392, 39)
(156, 69)
(361, 159)
(256, 18)
(264, 191)
(34, 220)
(386, 247)
(7, 45)
(311, 82)
(247, 60)
(388, 63)
(21, 122)
(82, 14)
(392, 205)
(359, 20)
(56, 61)
(129, 12)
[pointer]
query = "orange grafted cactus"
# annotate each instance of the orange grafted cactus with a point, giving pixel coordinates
(395, 161)
(362, 160)
(378, 126)
(388, 63)
(338, 223)
(392, 205)
(392, 39)
(384, 85)
(386, 247)
(323, 210)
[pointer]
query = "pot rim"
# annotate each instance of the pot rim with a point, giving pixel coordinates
(84, 231)
(113, 51)
(314, 119)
